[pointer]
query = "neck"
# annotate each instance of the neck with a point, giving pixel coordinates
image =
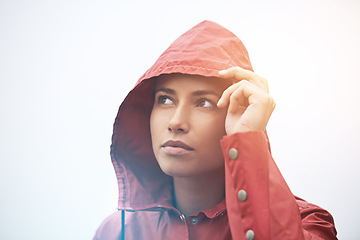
(193, 194)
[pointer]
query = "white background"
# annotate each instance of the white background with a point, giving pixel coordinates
(65, 67)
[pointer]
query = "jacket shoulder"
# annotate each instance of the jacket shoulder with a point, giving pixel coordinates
(316, 220)
(110, 228)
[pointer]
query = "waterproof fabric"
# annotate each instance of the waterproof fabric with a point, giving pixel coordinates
(270, 210)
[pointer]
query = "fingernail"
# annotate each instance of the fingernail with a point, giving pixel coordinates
(222, 72)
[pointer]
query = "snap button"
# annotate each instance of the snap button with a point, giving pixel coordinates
(250, 235)
(194, 220)
(242, 195)
(233, 153)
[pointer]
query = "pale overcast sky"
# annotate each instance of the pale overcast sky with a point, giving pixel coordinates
(65, 67)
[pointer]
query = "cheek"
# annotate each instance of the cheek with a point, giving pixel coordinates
(153, 126)
(152, 121)
(218, 124)
(213, 129)
(157, 126)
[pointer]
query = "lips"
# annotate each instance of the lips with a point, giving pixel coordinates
(177, 144)
(176, 148)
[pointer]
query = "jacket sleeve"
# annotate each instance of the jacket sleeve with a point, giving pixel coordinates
(259, 203)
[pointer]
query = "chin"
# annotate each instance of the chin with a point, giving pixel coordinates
(188, 166)
(175, 171)
(191, 171)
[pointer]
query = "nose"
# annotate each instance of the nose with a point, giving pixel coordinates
(179, 121)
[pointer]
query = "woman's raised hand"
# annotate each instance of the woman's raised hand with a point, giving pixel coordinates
(250, 105)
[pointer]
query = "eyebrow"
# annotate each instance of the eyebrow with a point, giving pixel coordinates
(166, 90)
(205, 92)
(195, 93)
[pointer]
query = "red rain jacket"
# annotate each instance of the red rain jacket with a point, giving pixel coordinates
(258, 204)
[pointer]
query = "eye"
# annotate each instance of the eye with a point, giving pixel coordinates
(164, 100)
(205, 103)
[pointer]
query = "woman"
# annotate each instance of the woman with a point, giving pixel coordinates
(191, 153)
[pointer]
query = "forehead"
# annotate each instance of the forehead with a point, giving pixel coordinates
(188, 82)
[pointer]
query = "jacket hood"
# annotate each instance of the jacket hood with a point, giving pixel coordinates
(203, 50)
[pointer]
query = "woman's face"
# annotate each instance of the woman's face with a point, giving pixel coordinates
(186, 125)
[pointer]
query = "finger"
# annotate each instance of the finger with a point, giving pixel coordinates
(241, 96)
(238, 74)
(225, 97)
